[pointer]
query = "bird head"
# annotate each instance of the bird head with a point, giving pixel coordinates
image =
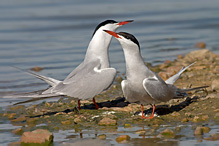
(125, 39)
(110, 25)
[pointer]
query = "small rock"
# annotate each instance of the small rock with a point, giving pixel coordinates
(200, 45)
(196, 119)
(141, 132)
(175, 114)
(77, 120)
(19, 119)
(198, 131)
(127, 125)
(216, 116)
(102, 136)
(213, 137)
(205, 117)
(107, 122)
(185, 120)
(39, 136)
(201, 130)
(163, 75)
(37, 68)
(215, 85)
(11, 115)
(123, 138)
(32, 121)
(188, 114)
(168, 133)
(18, 131)
(67, 122)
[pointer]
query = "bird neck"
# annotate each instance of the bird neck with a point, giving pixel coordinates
(135, 65)
(98, 48)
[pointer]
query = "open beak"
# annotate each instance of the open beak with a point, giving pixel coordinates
(112, 33)
(125, 22)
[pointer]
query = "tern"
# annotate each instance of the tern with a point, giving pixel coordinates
(91, 77)
(143, 85)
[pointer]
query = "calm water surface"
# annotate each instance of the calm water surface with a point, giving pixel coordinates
(55, 34)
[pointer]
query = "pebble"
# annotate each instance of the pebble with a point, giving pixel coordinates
(185, 120)
(19, 119)
(38, 136)
(77, 120)
(213, 137)
(11, 115)
(67, 122)
(215, 85)
(196, 119)
(175, 114)
(102, 136)
(18, 131)
(201, 130)
(205, 117)
(123, 139)
(107, 122)
(167, 133)
(200, 45)
(37, 68)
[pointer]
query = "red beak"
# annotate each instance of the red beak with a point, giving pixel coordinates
(125, 22)
(112, 33)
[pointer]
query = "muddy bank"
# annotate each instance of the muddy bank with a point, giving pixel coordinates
(195, 117)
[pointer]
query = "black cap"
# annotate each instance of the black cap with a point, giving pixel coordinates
(104, 23)
(129, 37)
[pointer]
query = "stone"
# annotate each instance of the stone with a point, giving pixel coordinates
(11, 115)
(18, 131)
(196, 119)
(107, 122)
(67, 122)
(215, 85)
(127, 125)
(167, 133)
(201, 130)
(102, 136)
(19, 119)
(37, 68)
(205, 117)
(175, 114)
(213, 137)
(77, 120)
(200, 45)
(123, 138)
(185, 120)
(38, 136)
(32, 121)
(163, 75)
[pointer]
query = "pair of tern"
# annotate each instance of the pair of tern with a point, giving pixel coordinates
(95, 75)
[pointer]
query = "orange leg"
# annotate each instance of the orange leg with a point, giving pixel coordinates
(152, 115)
(79, 105)
(142, 112)
(96, 106)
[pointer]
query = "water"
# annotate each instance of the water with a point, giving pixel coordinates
(55, 34)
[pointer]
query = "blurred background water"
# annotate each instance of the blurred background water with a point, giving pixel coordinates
(54, 34)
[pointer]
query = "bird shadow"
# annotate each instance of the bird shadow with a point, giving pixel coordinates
(165, 109)
(121, 102)
(118, 102)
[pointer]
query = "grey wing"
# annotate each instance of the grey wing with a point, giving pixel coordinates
(88, 82)
(157, 89)
(77, 69)
(173, 79)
